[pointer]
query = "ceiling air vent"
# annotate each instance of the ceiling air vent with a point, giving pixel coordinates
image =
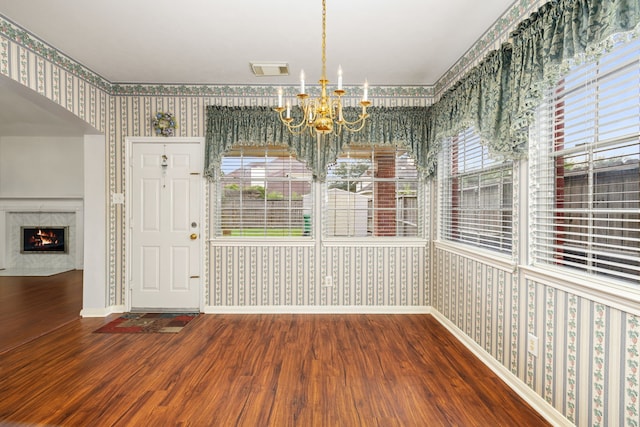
(262, 69)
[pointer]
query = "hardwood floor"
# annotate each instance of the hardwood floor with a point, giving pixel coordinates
(257, 370)
(32, 306)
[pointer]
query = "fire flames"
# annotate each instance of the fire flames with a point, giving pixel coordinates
(44, 238)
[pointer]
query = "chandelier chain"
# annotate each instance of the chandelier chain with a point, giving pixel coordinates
(324, 39)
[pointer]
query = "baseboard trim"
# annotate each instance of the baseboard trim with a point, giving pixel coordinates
(102, 312)
(305, 309)
(279, 309)
(536, 401)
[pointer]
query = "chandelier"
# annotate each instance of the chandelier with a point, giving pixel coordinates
(322, 115)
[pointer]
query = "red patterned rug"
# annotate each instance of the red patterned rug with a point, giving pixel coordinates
(136, 323)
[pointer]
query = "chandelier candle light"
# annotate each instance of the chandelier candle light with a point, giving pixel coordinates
(322, 115)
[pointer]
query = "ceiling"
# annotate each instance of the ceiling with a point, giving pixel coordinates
(399, 43)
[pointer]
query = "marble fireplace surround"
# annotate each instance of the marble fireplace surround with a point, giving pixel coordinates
(16, 212)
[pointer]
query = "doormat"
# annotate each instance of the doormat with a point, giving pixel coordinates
(148, 323)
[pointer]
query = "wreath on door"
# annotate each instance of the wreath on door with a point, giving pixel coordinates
(164, 124)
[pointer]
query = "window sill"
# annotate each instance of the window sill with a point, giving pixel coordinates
(621, 296)
(375, 242)
(262, 241)
(330, 242)
(497, 259)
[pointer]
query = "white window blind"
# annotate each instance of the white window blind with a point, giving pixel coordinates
(585, 172)
(372, 191)
(476, 195)
(264, 191)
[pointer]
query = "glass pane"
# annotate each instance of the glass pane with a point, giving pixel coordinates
(588, 212)
(264, 195)
(478, 208)
(372, 191)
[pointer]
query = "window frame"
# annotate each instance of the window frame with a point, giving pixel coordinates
(552, 211)
(375, 214)
(457, 223)
(255, 154)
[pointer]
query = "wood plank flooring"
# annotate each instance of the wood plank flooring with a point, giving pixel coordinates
(257, 370)
(32, 306)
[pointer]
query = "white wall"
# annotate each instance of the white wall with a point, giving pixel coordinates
(95, 228)
(37, 167)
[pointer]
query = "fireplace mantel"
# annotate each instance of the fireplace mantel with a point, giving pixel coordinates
(37, 204)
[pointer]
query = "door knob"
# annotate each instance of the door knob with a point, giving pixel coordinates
(193, 236)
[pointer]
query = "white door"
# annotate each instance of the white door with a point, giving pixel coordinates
(165, 220)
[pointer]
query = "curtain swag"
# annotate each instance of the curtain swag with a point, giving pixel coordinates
(227, 126)
(497, 97)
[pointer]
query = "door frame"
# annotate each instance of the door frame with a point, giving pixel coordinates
(202, 215)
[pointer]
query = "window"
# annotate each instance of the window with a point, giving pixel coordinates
(264, 191)
(585, 169)
(372, 191)
(476, 195)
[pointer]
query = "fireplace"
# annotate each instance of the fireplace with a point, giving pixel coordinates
(44, 240)
(66, 216)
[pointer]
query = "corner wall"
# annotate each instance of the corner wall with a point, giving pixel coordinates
(95, 226)
(588, 359)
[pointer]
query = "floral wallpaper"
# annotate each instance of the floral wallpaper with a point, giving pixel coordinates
(588, 361)
(290, 276)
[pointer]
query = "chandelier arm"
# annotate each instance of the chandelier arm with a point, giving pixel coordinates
(288, 123)
(348, 127)
(361, 118)
(296, 132)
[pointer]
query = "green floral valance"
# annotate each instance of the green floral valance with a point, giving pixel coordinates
(498, 97)
(480, 100)
(227, 126)
(561, 33)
